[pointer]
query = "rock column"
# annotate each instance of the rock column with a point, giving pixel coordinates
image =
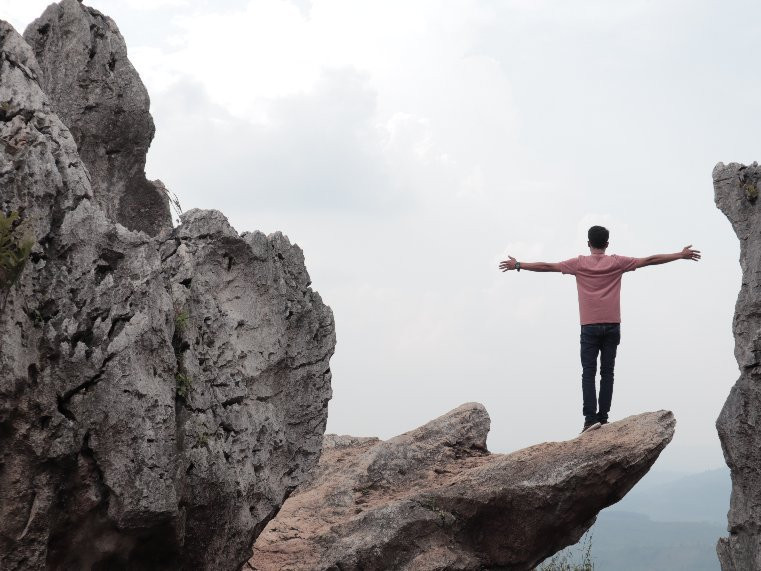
(737, 190)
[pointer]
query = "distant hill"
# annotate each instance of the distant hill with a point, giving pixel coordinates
(702, 497)
(668, 522)
(624, 541)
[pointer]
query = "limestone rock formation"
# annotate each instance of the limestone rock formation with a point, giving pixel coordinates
(435, 498)
(99, 96)
(736, 190)
(159, 397)
(253, 343)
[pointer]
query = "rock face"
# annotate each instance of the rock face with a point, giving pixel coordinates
(253, 344)
(737, 189)
(159, 397)
(99, 96)
(435, 498)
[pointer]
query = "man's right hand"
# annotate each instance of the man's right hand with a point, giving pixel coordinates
(689, 254)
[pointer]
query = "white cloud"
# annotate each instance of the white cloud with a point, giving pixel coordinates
(20, 14)
(317, 151)
(151, 5)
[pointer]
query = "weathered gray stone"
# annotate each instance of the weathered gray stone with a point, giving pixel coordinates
(73, 387)
(99, 96)
(253, 344)
(435, 498)
(736, 190)
(159, 397)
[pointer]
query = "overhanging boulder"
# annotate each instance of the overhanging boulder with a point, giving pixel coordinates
(435, 498)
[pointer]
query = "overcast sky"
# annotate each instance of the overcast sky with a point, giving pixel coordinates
(408, 146)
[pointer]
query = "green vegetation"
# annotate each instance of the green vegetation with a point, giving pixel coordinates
(14, 249)
(751, 191)
(181, 320)
(184, 383)
(565, 561)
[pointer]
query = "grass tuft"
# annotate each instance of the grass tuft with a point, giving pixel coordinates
(184, 384)
(567, 561)
(181, 320)
(14, 249)
(751, 191)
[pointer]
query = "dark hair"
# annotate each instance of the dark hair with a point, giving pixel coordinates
(598, 237)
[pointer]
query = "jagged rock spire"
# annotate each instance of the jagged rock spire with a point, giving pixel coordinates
(159, 396)
(99, 96)
(736, 190)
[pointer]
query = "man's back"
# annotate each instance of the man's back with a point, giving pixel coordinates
(598, 280)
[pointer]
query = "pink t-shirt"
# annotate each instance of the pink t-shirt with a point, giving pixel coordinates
(598, 279)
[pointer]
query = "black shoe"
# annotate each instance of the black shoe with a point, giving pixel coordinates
(590, 426)
(603, 422)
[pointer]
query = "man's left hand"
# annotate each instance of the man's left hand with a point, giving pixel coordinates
(508, 264)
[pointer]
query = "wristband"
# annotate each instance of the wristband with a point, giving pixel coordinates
(518, 266)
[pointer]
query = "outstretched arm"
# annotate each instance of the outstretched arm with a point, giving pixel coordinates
(511, 262)
(687, 253)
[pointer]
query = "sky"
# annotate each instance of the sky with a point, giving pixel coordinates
(408, 147)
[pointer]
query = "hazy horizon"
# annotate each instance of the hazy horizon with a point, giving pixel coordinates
(409, 147)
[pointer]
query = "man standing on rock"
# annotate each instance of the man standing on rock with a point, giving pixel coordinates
(598, 280)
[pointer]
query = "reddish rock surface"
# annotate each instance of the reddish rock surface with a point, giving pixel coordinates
(435, 498)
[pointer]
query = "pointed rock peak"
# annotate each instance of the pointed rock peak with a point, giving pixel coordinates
(99, 96)
(736, 191)
(467, 426)
(14, 47)
(455, 435)
(197, 223)
(20, 93)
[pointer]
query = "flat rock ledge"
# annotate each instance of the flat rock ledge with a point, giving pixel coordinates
(436, 498)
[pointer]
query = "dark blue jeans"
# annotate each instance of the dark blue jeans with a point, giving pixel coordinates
(602, 339)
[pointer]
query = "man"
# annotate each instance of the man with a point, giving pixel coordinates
(598, 281)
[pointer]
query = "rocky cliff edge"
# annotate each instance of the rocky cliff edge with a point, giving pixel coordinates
(435, 498)
(160, 396)
(736, 189)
